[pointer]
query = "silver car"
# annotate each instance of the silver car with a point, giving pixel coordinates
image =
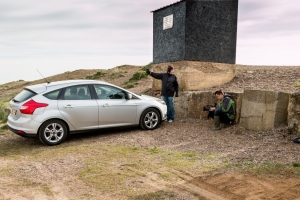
(52, 111)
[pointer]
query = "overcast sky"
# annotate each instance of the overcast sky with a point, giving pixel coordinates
(55, 36)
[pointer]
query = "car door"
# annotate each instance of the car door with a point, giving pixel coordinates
(114, 109)
(79, 108)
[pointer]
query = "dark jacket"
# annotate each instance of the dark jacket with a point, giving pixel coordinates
(228, 106)
(169, 83)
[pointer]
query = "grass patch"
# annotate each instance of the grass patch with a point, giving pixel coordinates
(116, 166)
(128, 85)
(297, 84)
(149, 66)
(3, 115)
(97, 75)
(138, 75)
(161, 194)
(118, 74)
(267, 168)
(133, 81)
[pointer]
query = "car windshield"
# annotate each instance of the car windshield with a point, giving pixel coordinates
(24, 95)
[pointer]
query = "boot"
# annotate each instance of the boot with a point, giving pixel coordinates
(223, 125)
(216, 123)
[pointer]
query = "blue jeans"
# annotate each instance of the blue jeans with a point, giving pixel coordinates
(170, 107)
(223, 116)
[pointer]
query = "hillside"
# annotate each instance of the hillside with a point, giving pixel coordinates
(275, 78)
(180, 160)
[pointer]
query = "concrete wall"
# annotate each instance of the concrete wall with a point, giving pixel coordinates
(256, 110)
(263, 110)
(190, 104)
(294, 113)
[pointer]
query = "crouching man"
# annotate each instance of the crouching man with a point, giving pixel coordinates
(225, 113)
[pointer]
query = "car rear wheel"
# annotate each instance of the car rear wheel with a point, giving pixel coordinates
(53, 132)
(150, 119)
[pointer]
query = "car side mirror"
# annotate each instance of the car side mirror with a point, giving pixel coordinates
(129, 96)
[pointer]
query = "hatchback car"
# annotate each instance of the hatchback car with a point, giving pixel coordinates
(52, 111)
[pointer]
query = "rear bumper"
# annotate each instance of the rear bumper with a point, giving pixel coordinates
(24, 126)
(23, 134)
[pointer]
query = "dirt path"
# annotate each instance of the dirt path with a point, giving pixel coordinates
(57, 178)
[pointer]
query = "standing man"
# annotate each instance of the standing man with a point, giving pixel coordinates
(225, 114)
(169, 88)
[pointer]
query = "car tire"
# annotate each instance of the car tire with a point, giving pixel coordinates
(53, 132)
(150, 119)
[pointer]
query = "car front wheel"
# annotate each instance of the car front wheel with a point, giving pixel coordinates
(150, 119)
(53, 132)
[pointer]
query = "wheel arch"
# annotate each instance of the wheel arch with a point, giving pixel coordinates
(66, 124)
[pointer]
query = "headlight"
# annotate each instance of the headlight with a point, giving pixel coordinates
(162, 102)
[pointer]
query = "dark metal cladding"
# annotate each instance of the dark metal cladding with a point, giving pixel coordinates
(203, 30)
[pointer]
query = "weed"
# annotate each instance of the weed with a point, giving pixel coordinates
(297, 84)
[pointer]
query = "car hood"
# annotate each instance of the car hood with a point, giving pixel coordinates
(148, 98)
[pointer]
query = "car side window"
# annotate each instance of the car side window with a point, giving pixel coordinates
(109, 92)
(52, 95)
(79, 92)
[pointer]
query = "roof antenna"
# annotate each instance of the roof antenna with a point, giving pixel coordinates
(43, 76)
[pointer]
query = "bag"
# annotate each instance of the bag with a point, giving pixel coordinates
(296, 140)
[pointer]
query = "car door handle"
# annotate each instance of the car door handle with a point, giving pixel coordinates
(105, 105)
(68, 106)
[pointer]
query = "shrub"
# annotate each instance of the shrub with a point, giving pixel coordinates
(149, 66)
(138, 76)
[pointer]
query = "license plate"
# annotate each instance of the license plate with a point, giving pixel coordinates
(13, 111)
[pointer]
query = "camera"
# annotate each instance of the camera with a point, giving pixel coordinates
(210, 113)
(207, 107)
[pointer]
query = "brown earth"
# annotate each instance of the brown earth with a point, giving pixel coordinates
(235, 145)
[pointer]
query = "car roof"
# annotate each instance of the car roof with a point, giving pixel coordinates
(39, 88)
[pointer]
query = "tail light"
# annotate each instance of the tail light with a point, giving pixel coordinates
(30, 106)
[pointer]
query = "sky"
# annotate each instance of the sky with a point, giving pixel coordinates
(56, 36)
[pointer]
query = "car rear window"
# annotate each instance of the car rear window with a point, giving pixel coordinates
(52, 95)
(24, 95)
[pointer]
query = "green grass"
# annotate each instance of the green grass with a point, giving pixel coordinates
(114, 169)
(117, 165)
(128, 85)
(133, 81)
(97, 75)
(3, 115)
(266, 168)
